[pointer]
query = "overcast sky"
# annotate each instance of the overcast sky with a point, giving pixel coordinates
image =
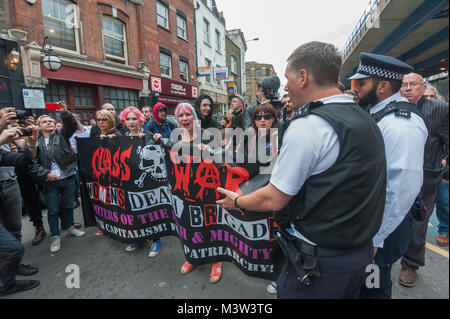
(284, 25)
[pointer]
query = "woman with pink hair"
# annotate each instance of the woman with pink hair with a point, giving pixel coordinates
(134, 120)
(190, 125)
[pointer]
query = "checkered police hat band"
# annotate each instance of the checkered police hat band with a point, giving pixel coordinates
(379, 72)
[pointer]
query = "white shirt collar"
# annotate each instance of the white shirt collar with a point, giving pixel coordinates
(339, 98)
(396, 97)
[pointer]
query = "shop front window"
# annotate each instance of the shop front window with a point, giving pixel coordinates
(120, 98)
(83, 96)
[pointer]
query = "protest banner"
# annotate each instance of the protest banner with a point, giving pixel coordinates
(138, 192)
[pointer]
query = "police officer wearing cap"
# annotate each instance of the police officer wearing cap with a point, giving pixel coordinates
(328, 187)
(377, 84)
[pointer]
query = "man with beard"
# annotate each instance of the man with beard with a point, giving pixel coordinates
(328, 187)
(288, 114)
(378, 82)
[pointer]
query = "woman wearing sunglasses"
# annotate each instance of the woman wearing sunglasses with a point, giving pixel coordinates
(265, 129)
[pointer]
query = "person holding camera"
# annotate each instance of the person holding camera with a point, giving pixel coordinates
(11, 248)
(9, 185)
(55, 170)
(328, 188)
(260, 98)
(28, 188)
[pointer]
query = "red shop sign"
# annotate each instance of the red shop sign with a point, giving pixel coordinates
(173, 88)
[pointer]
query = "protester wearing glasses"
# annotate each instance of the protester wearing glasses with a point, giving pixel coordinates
(264, 118)
(119, 126)
(106, 124)
(435, 115)
(265, 127)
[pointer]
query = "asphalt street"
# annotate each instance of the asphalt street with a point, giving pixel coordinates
(108, 271)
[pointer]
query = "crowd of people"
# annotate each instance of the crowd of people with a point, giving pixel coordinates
(351, 165)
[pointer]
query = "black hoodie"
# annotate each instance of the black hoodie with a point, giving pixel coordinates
(209, 122)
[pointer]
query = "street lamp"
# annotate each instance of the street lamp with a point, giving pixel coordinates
(13, 60)
(51, 61)
(255, 39)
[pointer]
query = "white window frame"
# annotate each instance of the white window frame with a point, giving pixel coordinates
(206, 32)
(166, 18)
(76, 25)
(209, 77)
(170, 65)
(115, 57)
(234, 65)
(179, 28)
(218, 42)
(187, 72)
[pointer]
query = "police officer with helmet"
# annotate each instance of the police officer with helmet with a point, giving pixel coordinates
(328, 187)
(377, 83)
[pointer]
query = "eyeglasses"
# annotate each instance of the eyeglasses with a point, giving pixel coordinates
(101, 120)
(267, 117)
(412, 85)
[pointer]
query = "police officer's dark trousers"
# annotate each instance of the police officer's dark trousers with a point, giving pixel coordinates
(11, 252)
(341, 277)
(394, 246)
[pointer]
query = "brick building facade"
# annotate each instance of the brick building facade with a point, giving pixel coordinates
(169, 37)
(110, 50)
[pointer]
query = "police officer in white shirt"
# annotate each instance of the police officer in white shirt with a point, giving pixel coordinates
(377, 84)
(328, 187)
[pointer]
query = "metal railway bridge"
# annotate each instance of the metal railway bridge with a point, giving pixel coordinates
(414, 31)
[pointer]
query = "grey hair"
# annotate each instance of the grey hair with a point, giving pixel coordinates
(432, 87)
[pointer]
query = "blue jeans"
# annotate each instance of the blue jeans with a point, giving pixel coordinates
(11, 252)
(60, 191)
(442, 208)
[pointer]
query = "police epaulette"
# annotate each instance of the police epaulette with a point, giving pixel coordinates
(403, 113)
(393, 108)
(305, 110)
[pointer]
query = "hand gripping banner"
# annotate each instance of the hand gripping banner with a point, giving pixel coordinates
(136, 192)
